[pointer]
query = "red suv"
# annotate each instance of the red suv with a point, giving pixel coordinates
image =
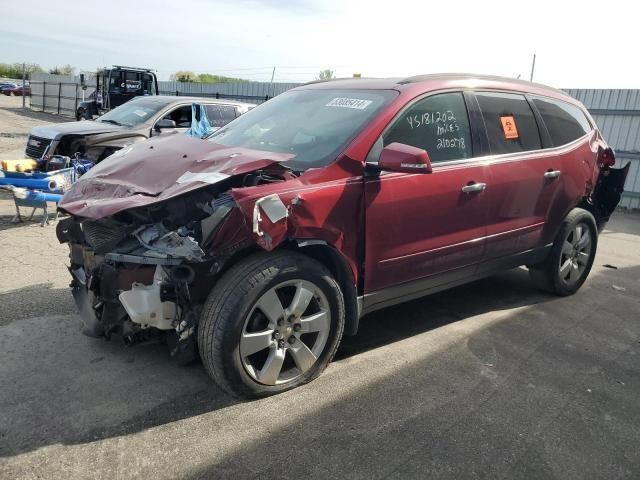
(262, 245)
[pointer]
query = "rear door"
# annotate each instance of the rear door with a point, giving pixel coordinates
(525, 180)
(420, 225)
(219, 114)
(577, 145)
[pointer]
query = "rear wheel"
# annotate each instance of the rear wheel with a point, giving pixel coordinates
(571, 257)
(272, 323)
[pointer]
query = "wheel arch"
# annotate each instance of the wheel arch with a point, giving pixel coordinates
(331, 258)
(588, 205)
(327, 255)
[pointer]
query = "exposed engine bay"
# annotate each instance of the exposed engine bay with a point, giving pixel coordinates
(145, 272)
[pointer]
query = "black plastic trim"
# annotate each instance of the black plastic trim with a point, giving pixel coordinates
(435, 283)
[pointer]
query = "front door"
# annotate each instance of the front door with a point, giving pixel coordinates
(420, 225)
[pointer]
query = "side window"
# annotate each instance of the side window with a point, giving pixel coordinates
(565, 122)
(148, 86)
(511, 126)
(220, 115)
(438, 124)
(180, 115)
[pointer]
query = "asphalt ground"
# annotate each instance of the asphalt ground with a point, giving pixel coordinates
(489, 380)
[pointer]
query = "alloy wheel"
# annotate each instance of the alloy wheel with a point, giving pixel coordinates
(285, 332)
(575, 255)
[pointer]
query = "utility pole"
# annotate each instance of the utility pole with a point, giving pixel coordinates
(273, 87)
(533, 66)
(24, 74)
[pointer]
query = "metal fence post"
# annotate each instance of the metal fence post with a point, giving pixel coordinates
(44, 94)
(59, 94)
(75, 101)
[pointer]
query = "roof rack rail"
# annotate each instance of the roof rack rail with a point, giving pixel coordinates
(494, 78)
(334, 79)
(142, 69)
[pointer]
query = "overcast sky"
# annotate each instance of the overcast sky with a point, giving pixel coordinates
(579, 44)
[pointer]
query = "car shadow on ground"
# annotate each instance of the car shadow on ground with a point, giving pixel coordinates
(547, 391)
(7, 221)
(146, 373)
(504, 291)
(35, 301)
(28, 112)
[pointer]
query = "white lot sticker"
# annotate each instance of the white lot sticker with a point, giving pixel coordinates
(204, 177)
(140, 113)
(349, 103)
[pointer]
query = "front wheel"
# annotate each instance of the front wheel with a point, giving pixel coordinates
(272, 323)
(571, 257)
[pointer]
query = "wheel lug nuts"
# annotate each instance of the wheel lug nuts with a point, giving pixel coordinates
(292, 340)
(276, 335)
(281, 343)
(296, 327)
(280, 321)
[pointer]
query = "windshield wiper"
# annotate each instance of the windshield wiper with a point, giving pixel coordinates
(108, 120)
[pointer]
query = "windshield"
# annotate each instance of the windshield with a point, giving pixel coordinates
(314, 125)
(133, 113)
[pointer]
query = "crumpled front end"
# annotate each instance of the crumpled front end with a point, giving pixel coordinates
(134, 276)
(144, 272)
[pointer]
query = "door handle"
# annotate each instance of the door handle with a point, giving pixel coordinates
(474, 187)
(552, 174)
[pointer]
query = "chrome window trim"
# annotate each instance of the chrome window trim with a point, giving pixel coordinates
(509, 157)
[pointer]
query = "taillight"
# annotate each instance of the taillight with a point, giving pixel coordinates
(608, 158)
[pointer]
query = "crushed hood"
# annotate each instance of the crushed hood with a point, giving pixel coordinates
(58, 130)
(157, 170)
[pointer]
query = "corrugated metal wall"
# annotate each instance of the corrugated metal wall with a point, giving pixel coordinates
(617, 114)
(239, 89)
(45, 92)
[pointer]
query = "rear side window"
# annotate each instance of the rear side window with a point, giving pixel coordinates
(220, 115)
(438, 124)
(565, 122)
(511, 126)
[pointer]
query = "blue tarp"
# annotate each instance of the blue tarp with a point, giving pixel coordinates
(199, 128)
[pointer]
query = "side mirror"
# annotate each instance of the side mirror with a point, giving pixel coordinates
(164, 123)
(398, 157)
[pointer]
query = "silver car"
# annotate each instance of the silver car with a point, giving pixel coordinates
(135, 121)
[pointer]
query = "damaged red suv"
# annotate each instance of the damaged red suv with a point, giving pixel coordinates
(261, 246)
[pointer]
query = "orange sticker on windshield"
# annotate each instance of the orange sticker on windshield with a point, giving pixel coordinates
(509, 127)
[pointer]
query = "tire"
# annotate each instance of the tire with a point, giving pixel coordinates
(252, 341)
(79, 114)
(571, 257)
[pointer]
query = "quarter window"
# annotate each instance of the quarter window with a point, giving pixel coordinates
(438, 124)
(511, 126)
(220, 115)
(565, 122)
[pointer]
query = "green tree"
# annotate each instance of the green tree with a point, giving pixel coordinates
(325, 75)
(210, 78)
(184, 76)
(14, 70)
